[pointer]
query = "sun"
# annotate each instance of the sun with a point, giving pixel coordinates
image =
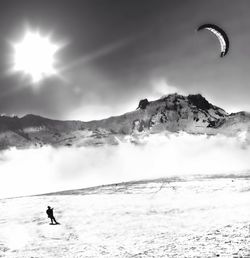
(34, 56)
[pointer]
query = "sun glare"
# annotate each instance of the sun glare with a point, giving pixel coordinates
(34, 56)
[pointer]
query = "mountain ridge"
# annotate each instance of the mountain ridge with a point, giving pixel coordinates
(173, 113)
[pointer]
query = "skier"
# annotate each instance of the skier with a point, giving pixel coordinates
(51, 215)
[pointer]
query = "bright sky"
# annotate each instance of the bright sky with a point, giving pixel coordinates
(118, 52)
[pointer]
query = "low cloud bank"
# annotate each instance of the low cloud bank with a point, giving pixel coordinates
(49, 169)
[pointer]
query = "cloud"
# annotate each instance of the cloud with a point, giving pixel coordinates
(90, 112)
(49, 169)
(160, 87)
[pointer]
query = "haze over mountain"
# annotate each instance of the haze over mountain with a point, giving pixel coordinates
(173, 113)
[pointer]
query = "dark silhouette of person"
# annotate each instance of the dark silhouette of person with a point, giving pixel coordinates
(51, 215)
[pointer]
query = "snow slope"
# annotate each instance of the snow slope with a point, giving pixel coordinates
(198, 217)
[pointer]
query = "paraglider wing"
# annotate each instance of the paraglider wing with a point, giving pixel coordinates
(220, 34)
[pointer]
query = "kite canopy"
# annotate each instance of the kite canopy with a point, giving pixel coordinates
(220, 34)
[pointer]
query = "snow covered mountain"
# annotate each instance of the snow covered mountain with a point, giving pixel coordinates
(171, 114)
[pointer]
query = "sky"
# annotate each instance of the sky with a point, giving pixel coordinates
(116, 52)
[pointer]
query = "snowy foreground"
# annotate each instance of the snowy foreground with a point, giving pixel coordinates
(206, 217)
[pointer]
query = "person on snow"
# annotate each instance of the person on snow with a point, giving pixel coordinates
(51, 215)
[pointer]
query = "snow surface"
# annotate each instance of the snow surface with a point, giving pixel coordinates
(199, 217)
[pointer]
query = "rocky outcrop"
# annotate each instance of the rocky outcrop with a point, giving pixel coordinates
(143, 104)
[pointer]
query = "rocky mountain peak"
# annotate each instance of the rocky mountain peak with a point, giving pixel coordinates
(172, 113)
(199, 101)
